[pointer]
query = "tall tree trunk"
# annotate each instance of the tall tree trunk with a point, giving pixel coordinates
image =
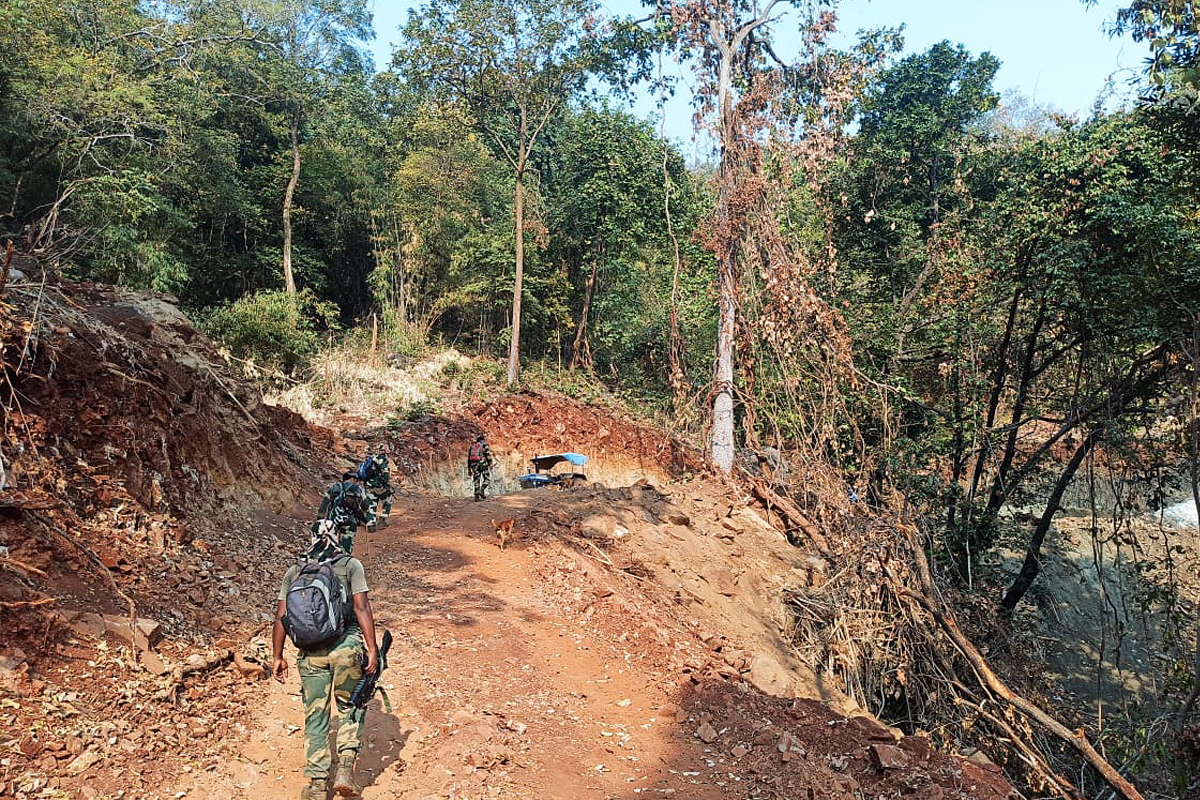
(514, 345)
(1033, 554)
(998, 381)
(581, 352)
(289, 281)
(722, 435)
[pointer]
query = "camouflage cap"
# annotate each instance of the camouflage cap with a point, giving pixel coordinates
(326, 543)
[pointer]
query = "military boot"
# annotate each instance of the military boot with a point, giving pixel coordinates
(314, 791)
(343, 782)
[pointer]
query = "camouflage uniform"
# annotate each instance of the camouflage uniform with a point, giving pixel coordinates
(481, 471)
(379, 494)
(338, 667)
(343, 506)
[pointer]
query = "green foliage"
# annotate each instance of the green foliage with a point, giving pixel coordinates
(1171, 28)
(273, 328)
(417, 411)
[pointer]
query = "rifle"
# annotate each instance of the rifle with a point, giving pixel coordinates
(364, 690)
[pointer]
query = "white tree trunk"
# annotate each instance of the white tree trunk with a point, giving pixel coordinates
(722, 433)
(514, 345)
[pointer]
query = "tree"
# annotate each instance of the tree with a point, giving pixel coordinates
(605, 190)
(916, 171)
(511, 66)
(755, 101)
(1172, 30)
(320, 41)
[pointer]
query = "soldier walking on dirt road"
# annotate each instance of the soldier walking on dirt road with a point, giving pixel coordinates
(344, 504)
(333, 668)
(377, 481)
(479, 466)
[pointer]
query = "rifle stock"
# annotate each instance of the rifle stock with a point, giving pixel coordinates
(364, 690)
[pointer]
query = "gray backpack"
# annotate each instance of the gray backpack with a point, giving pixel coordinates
(317, 606)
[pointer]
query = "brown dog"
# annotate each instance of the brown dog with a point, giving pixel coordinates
(504, 529)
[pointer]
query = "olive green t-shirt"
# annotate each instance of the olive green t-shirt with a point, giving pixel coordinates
(354, 571)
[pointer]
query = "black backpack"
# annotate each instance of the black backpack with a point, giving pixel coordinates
(317, 606)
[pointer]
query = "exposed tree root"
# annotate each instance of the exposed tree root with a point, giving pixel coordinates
(41, 601)
(181, 673)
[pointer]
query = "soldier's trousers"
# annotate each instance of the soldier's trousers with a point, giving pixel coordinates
(481, 480)
(332, 671)
(374, 505)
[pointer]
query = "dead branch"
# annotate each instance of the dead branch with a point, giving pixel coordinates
(1077, 739)
(1062, 786)
(181, 673)
(791, 515)
(601, 555)
(41, 601)
(22, 567)
(221, 383)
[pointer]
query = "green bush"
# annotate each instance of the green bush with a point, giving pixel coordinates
(418, 410)
(273, 328)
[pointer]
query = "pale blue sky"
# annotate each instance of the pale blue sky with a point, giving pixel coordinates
(1053, 52)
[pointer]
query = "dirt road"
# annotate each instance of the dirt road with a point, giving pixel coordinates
(500, 689)
(535, 672)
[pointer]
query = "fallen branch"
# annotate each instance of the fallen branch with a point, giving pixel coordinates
(28, 603)
(792, 516)
(604, 557)
(1077, 739)
(1062, 786)
(21, 566)
(232, 397)
(181, 673)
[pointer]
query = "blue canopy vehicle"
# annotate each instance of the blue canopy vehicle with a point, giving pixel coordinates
(544, 475)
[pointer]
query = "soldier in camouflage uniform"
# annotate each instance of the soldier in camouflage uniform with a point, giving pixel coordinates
(378, 485)
(344, 505)
(333, 670)
(479, 466)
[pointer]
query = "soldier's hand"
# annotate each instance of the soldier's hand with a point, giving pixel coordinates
(281, 669)
(372, 663)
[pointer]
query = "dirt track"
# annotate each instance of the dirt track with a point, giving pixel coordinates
(498, 689)
(631, 642)
(519, 673)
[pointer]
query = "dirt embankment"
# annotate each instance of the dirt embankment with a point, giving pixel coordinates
(627, 641)
(138, 473)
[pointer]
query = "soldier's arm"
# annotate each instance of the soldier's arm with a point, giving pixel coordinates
(366, 621)
(277, 637)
